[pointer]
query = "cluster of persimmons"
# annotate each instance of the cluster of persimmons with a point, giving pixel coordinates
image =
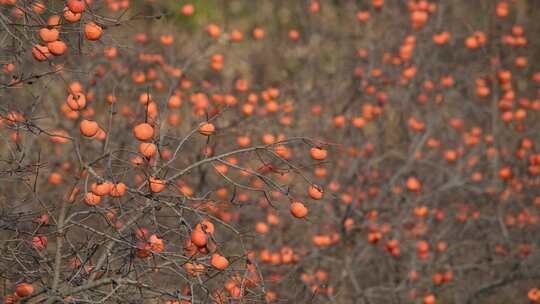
(324, 151)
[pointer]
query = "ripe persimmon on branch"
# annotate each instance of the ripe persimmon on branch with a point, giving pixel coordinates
(269, 151)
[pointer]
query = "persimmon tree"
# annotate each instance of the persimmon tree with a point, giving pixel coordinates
(124, 187)
(269, 151)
